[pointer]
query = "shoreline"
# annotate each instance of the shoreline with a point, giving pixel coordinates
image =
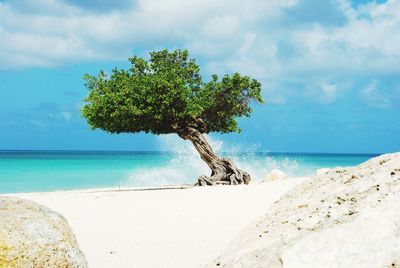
(105, 189)
(144, 188)
(169, 226)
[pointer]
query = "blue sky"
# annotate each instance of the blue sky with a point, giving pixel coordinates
(329, 69)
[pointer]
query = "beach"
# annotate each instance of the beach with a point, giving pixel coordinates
(169, 227)
(188, 134)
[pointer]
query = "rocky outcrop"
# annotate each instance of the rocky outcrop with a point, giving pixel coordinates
(35, 236)
(343, 217)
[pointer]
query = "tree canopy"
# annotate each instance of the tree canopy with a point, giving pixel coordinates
(166, 94)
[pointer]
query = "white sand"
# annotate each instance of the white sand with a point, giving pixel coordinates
(162, 228)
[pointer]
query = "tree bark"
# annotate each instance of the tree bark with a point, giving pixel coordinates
(223, 170)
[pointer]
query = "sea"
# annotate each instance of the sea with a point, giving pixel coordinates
(34, 171)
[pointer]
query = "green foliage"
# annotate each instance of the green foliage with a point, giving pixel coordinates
(166, 94)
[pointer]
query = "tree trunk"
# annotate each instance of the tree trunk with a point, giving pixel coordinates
(223, 170)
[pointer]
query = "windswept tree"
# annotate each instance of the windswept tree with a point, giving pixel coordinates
(166, 94)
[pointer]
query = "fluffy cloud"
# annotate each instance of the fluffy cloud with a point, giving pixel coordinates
(374, 96)
(309, 44)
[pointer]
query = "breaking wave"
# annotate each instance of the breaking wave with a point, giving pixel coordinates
(183, 164)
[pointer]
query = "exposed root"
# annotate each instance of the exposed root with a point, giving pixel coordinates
(226, 174)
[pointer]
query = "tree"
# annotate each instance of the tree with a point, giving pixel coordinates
(166, 94)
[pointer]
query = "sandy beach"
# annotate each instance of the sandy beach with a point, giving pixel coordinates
(161, 228)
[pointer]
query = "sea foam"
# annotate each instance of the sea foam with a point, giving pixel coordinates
(186, 164)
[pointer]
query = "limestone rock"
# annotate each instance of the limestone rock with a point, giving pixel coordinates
(275, 174)
(340, 218)
(35, 236)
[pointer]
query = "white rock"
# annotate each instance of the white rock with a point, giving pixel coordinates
(35, 236)
(343, 218)
(275, 174)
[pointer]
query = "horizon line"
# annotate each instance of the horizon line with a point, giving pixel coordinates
(163, 151)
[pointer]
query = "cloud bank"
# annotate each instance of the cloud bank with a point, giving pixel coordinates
(309, 49)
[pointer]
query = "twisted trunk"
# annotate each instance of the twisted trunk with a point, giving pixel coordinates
(223, 170)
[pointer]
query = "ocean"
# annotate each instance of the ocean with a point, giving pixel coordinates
(31, 171)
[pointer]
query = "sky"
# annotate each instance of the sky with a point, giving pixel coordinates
(330, 70)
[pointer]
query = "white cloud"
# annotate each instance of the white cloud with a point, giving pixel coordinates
(51, 32)
(221, 26)
(374, 96)
(329, 92)
(373, 27)
(66, 115)
(38, 124)
(258, 37)
(323, 90)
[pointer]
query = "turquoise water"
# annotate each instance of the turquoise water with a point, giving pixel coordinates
(29, 171)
